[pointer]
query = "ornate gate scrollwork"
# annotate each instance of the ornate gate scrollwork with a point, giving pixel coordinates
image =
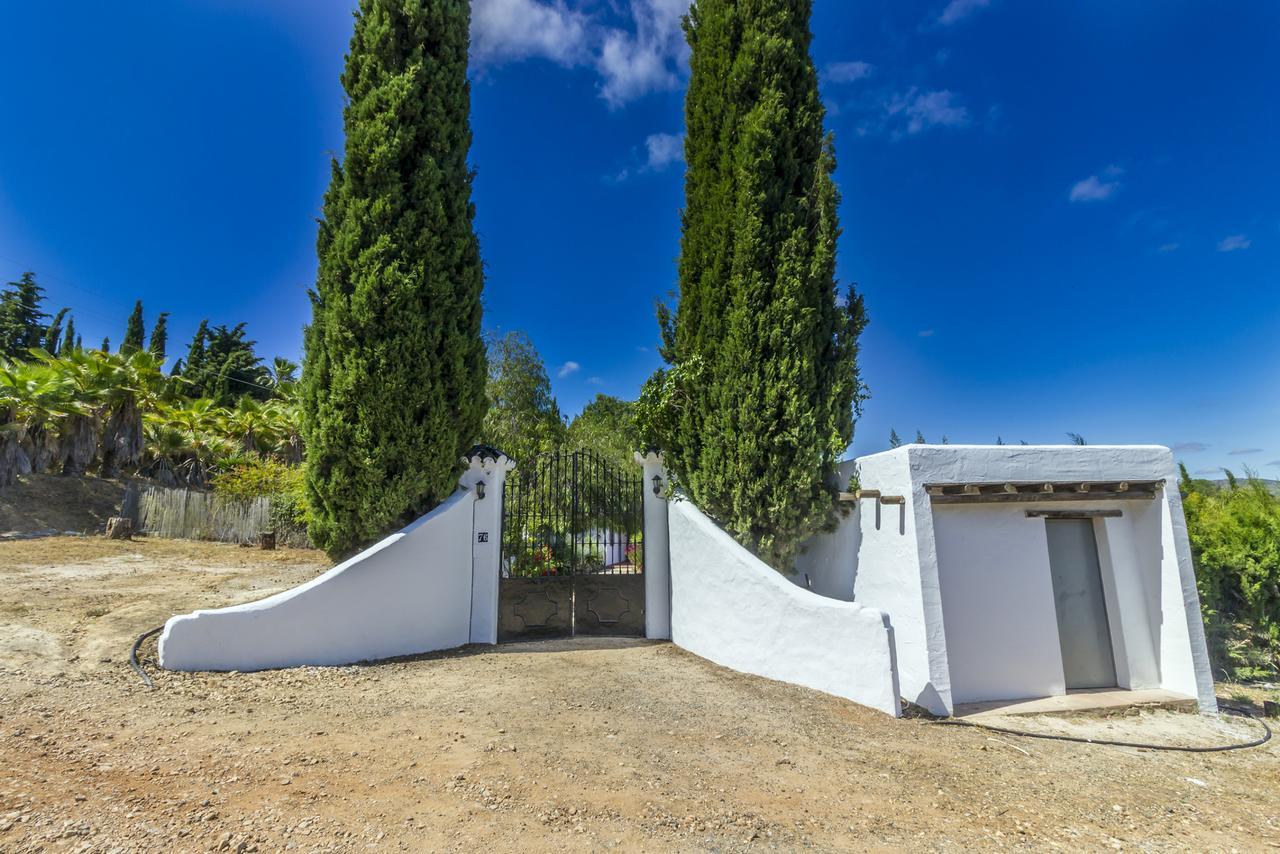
(572, 549)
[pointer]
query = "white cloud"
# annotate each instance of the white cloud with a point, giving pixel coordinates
(1168, 247)
(649, 56)
(664, 149)
(595, 380)
(1242, 452)
(649, 59)
(846, 72)
(924, 110)
(925, 333)
(512, 30)
(1190, 447)
(567, 369)
(1096, 189)
(1233, 242)
(958, 10)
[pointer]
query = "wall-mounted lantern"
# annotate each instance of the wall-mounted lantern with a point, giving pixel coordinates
(480, 490)
(657, 484)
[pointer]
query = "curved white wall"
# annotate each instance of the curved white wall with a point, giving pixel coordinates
(407, 594)
(731, 608)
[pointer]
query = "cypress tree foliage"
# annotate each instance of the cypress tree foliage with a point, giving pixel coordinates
(134, 332)
(762, 348)
(193, 366)
(70, 341)
(53, 332)
(106, 344)
(393, 387)
(159, 336)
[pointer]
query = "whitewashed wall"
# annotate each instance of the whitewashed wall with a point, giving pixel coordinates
(729, 607)
(407, 594)
(998, 609)
(828, 561)
(969, 589)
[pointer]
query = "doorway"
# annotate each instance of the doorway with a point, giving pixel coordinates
(1083, 632)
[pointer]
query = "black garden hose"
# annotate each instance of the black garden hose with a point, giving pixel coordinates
(133, 655)
(1174, 747)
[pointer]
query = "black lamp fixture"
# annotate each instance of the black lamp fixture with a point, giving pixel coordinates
(657, 484)
(480, 490)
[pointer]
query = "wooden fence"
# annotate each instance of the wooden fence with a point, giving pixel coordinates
(190, 514)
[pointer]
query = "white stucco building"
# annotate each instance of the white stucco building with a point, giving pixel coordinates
(958, 574)
(1014, 572)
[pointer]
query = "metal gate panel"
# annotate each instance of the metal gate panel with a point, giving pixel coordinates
(609, 605)
(572, 548)
(535, 608)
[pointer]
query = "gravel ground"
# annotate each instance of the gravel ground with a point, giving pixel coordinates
(603, 744)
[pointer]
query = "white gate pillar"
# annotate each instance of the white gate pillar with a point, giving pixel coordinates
(485, 476)
(657, 548)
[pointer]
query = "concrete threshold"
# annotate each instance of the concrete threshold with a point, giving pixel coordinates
(1096, 700)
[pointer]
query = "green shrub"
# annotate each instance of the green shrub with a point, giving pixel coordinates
(1235, 542)
(264, 477)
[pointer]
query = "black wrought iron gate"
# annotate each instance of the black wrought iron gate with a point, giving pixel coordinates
(572, 549)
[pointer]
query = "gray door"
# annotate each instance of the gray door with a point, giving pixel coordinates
(1083, 633)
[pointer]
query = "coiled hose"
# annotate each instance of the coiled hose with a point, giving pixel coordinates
(1246, 713)
(133, 655)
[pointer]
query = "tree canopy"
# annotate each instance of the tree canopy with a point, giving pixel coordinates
(394, 380)
(760, 398)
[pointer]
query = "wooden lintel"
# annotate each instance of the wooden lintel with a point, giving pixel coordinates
(847, 497)
(867, 493)
(1026, 497)
(1074, 514)
(892, 499)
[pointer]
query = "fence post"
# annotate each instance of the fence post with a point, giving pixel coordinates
(485, 476)
(657, 551)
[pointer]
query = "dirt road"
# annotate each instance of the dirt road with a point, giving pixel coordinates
(595, 745)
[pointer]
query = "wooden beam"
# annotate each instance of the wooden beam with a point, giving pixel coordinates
(847, 497)
(867, 493)
(1074, 514)
(1027, 497)
(892, 499)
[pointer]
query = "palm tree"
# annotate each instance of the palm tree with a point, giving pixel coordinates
(130, 383)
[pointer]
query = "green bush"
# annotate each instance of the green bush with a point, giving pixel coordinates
(1235, 542)
(264, 477)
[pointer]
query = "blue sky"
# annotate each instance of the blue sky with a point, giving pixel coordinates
(1063, 216)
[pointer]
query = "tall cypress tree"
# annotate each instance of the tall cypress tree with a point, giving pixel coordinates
(53, 332)
(763, 349)
(69, 338)
(159, 336)
(134, 332)
(394, 378)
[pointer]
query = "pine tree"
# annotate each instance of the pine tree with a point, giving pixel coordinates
(106, 344)
(394, 377)
(160, 336)
(21, 317)
(767, 351)
(193, 367)
(134, 333)
(895, 441)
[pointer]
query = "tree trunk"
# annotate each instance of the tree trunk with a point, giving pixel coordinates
(119, 528)
(78, 444)
(122, 438)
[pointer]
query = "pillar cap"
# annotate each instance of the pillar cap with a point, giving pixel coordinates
(649, 455)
